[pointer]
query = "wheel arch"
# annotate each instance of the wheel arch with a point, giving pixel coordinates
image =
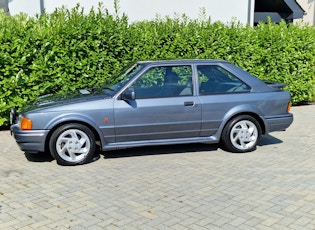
(72, 121)
(252, 114)
(243, 110)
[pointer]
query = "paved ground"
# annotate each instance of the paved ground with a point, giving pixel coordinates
(174, 187)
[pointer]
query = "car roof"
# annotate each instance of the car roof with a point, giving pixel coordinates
(182, 61)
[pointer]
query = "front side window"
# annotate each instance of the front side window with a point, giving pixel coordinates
(215, 79)
(164, 81)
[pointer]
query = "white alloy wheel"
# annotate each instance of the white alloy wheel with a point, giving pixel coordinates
(72, 144)
(241, 134)
(244, 135)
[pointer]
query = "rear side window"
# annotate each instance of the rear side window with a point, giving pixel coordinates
(215, 79)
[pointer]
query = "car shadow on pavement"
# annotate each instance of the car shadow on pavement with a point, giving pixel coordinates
(269, 140)
(184, 148)
(152, 150)
(39, 157)
(159, 150)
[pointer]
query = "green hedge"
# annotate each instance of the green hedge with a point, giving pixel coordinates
(68, 49)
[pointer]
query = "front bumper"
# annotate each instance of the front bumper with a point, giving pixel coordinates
(30, 141)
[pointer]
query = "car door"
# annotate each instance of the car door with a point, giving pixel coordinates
(164, 107)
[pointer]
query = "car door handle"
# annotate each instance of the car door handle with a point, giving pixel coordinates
(189, 103)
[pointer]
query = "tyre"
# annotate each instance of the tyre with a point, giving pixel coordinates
(241, 134)
(72, 144)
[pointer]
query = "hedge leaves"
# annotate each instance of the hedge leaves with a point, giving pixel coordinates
(68, 49)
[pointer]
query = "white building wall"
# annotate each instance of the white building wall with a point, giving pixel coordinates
(30, 7)
(137, 10)
(309, 7)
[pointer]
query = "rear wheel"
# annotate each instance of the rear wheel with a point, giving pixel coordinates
(72, 144)
(241, 134)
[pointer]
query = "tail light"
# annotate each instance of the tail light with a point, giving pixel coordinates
(289, 107)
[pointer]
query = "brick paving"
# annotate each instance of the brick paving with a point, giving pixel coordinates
(171, 187)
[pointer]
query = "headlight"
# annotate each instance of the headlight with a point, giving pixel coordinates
(26, 124)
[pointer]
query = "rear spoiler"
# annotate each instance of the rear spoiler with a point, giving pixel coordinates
(275, 85)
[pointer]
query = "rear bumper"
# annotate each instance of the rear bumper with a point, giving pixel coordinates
(31, 141)
(278, 123)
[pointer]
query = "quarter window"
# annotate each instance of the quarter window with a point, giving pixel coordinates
(214, 79)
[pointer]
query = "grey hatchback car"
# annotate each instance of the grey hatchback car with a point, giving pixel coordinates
(155, 103)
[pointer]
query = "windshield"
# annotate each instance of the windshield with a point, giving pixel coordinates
(122, 78)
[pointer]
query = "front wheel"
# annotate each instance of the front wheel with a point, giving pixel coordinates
(241, 134)
(72, 144)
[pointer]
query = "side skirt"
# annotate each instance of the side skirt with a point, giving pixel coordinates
(123, 145)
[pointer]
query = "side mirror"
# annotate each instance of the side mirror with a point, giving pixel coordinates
(129, 95)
